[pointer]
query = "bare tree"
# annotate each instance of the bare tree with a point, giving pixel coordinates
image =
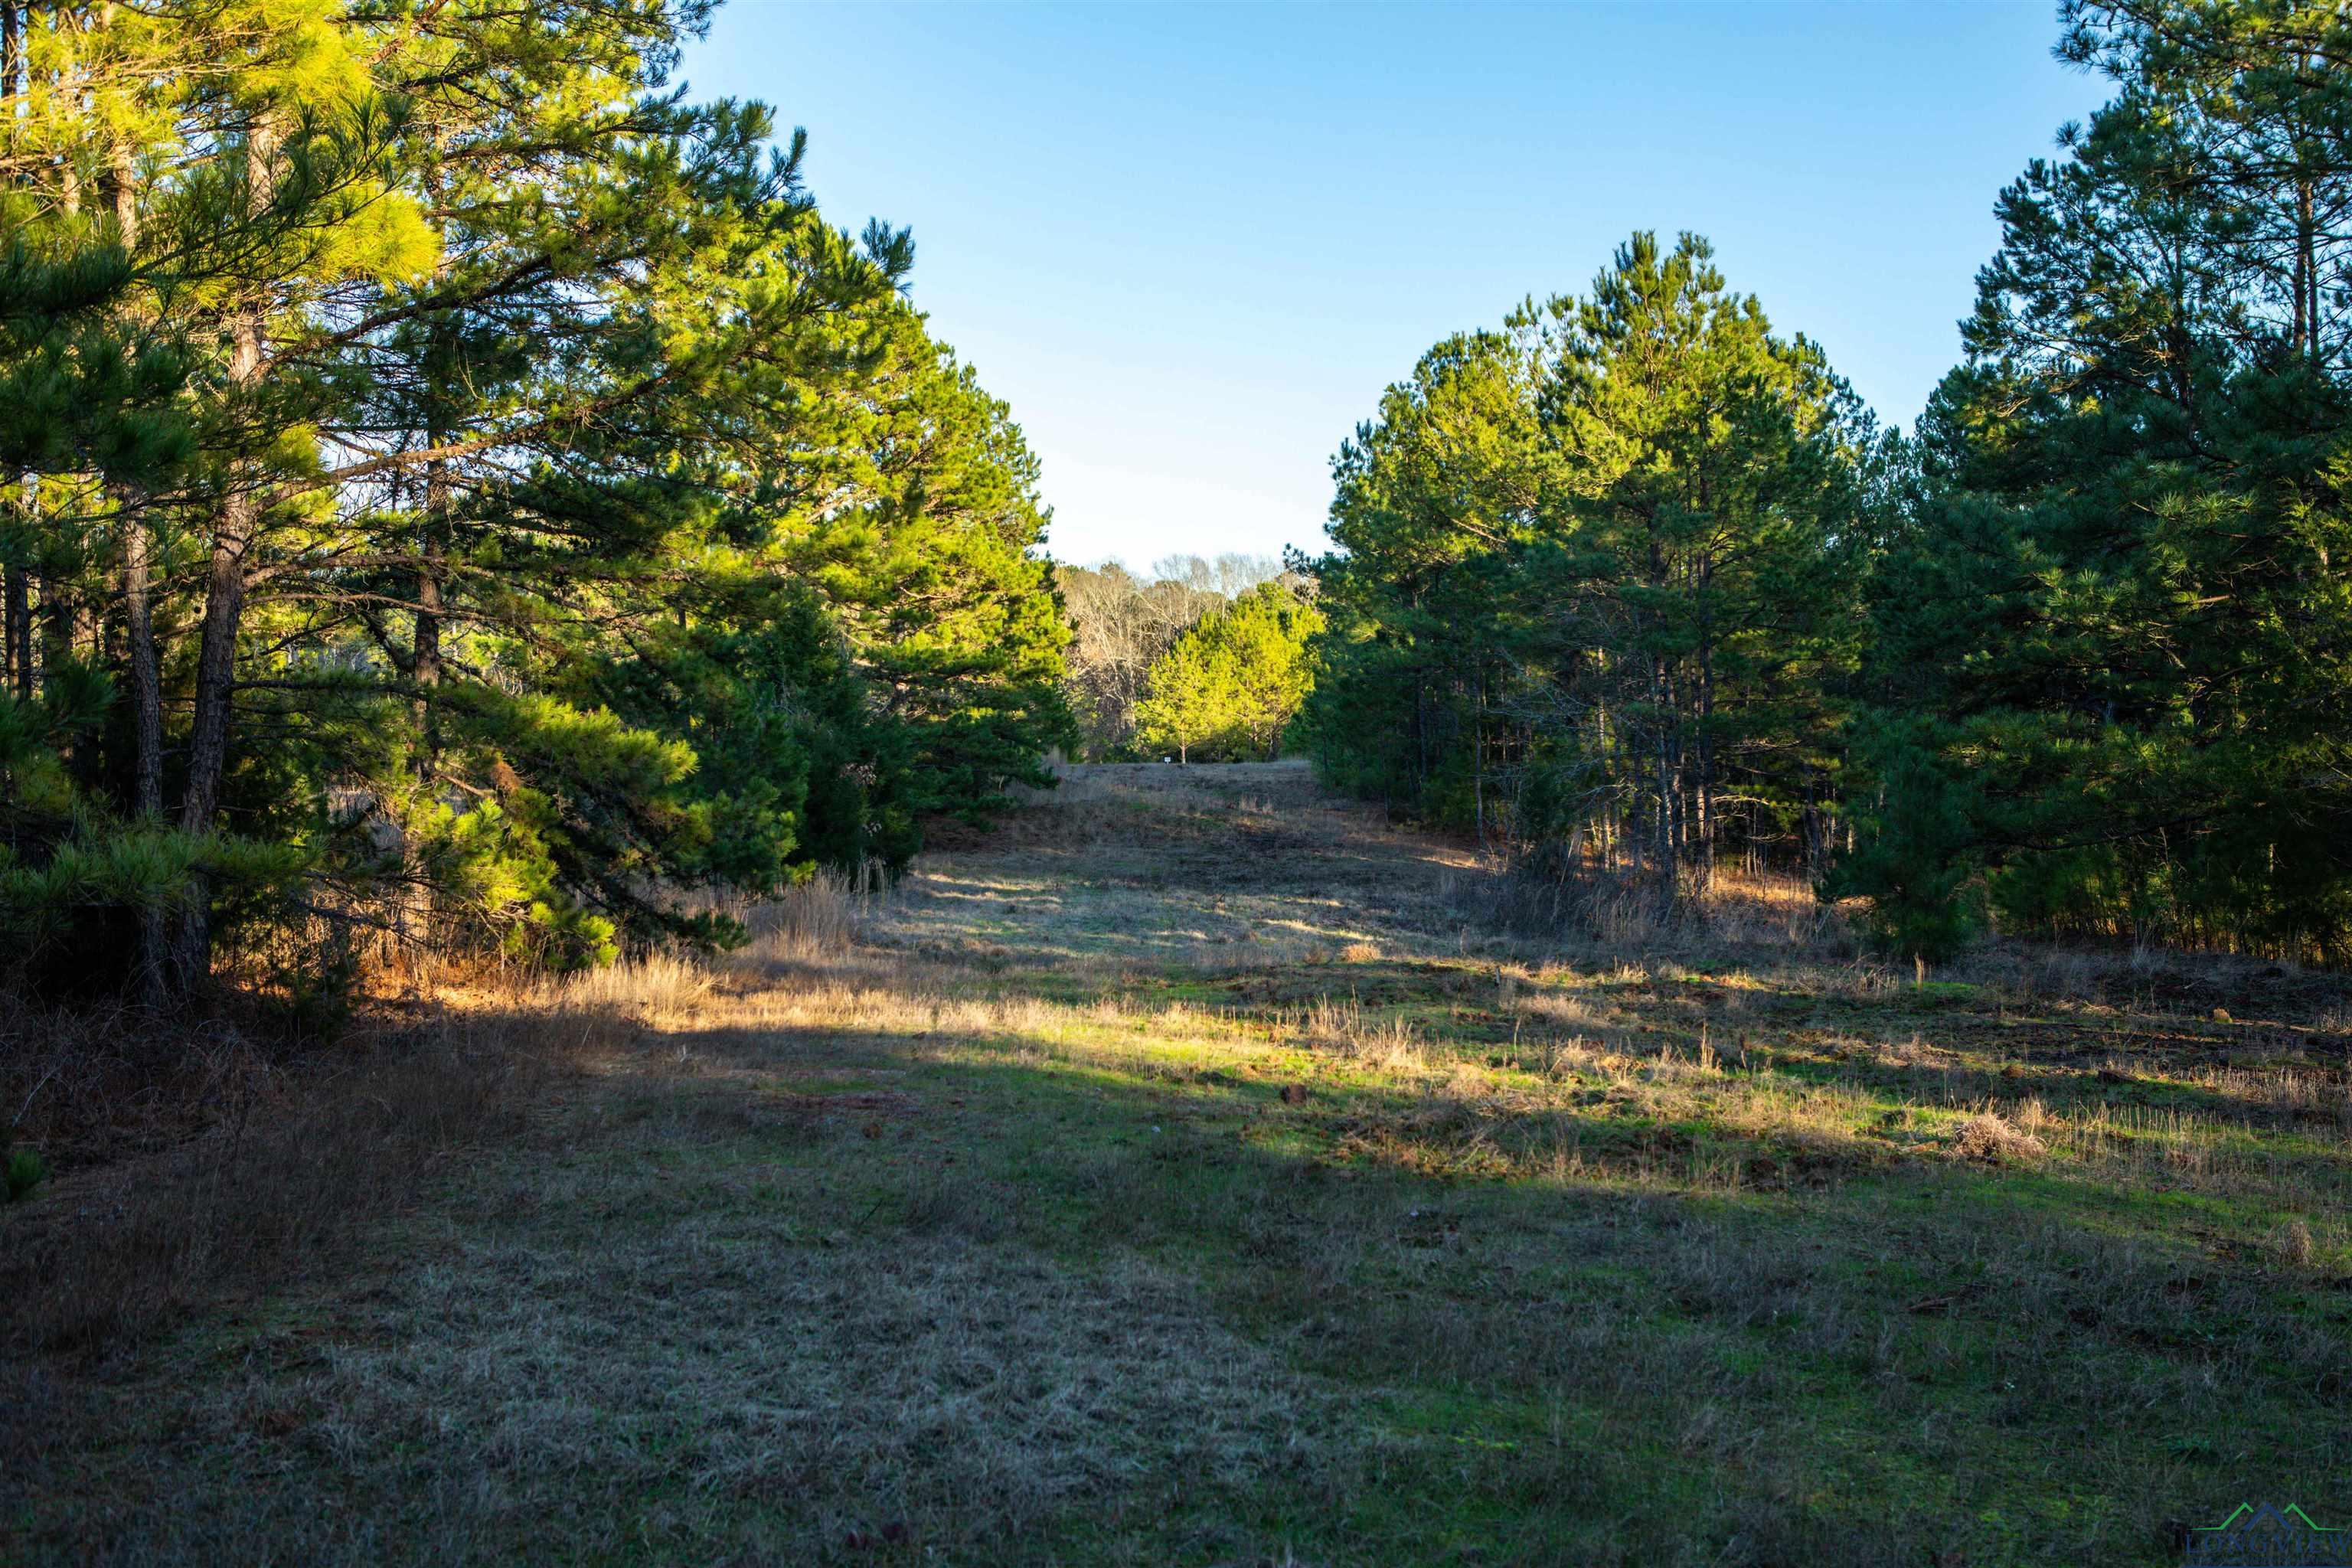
(1125, 620)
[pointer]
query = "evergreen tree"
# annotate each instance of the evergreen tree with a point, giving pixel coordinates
(1181, 707)
(468, 492)
(1436, 501)
(2119, 592)
(1598, 587)
(1710, 532)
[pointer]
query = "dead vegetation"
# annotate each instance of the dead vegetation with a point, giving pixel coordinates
(1598, 910)
(299, 1160)
(1988, 1135)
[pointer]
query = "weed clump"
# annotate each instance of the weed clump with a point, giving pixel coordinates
(2293, 1245)
(1988, 1136)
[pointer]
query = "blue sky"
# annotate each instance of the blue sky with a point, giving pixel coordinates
(1189, 244)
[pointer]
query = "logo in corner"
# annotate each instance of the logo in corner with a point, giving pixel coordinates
(2261, 1536)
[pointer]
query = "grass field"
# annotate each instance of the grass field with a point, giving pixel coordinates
(1182, 1175)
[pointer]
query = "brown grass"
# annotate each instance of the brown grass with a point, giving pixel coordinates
(1087, 1198)
(818, 918)
(1987, 1136)
(1596, 909)
(303, 1160)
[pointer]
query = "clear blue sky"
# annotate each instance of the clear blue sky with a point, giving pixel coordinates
(1191, 245)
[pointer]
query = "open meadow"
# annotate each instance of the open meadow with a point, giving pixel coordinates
(1187, 1172)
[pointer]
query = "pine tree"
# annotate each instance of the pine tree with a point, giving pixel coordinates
(2120, 594)
(1710, 475)
(1597, 594)
(469, 492)
(1183, 706)
(1436, 503)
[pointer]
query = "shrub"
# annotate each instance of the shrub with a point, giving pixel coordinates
(20, 1172)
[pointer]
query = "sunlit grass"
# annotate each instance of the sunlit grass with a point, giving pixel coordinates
(1079, 1238)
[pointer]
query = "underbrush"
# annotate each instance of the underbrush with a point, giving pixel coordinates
(2149, 977)
(300, 1159)
(1599, 908)
(1597, 917)
(816, 918)
(202, 1159)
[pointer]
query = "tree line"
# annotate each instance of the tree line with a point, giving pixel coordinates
(1634, 586)
(454, 487)
(1195, 660)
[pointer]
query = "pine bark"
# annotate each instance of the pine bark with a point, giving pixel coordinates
(154, 957)
(224, 585)
(19, 623)
(16, 610)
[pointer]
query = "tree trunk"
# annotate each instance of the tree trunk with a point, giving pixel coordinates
(424, 670)
(1666, 720)
(19, 634)
(1478, 756)
(429, 572)
(139, 639)
(154, 958)
(1707, 825)
(16, 624)
(16, 617)
(60, 624)
(441, 378)
(139, 630)
(224, 583)
(2306, 271)
(2299, 321)
(1670, 777)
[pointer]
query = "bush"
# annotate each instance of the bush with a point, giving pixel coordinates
(20, 1172)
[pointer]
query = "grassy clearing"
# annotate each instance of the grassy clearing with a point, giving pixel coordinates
(1180, 1177)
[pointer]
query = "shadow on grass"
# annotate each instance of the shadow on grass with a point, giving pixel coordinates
(1596, 1366)
(1929, 1358)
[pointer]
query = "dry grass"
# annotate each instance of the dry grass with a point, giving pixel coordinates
(1987, 1136)
(302, 1162)
(451, 1406)
(1595, 909)
(658, 983)
(1388, 1045)
(1030, 1213)
(818, 918)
